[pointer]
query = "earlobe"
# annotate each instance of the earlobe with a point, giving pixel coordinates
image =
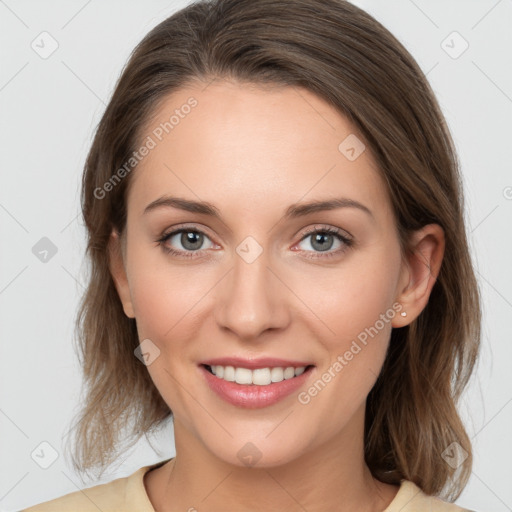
(118, 272)
(420, 271)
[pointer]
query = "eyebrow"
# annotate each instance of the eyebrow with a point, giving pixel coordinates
(293, 211)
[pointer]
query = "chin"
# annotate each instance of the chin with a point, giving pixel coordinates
(258, 452)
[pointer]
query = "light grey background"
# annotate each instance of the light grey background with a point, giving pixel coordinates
(49, 109)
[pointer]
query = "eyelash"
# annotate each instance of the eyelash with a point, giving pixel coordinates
(324, 230)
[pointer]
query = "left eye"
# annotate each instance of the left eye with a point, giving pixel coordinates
(322, 240)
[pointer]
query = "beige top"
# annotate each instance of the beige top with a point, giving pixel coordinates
(128, 494)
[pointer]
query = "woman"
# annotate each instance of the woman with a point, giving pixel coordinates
(280, 265)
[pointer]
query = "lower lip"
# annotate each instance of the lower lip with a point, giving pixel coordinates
(253, 396)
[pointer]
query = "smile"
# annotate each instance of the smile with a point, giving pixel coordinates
(255, 388)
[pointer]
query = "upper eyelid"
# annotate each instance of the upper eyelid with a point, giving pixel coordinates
(333, 230)
(175, 230)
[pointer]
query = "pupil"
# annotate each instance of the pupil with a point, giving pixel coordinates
(192, 238)
(318, 239)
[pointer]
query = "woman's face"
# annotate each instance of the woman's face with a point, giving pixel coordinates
(253, 282)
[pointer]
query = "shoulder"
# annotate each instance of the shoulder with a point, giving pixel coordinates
(410, 498)
(121, 495)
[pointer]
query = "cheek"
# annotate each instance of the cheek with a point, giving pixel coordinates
(166, 300)
(353, 314)
(162, 293)
(351, 299)
(165, 304)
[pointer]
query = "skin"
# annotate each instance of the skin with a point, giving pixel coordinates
(252, 152)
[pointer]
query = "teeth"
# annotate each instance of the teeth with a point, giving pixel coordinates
(229, 373)
(259, 377)
(277, 374)
(243, 376)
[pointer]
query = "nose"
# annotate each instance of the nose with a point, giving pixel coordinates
(252, 299)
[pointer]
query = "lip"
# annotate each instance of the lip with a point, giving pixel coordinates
(253, 396)
(254, 364)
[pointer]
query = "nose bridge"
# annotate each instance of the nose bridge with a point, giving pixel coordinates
(252, 299)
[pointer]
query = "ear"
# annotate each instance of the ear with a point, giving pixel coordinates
(118, 271)
(420, 269)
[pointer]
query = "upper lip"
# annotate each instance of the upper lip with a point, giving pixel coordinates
(252, 364)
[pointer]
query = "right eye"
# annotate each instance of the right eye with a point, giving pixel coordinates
(191, 241)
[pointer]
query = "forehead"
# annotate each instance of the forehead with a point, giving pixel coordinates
(241, 144)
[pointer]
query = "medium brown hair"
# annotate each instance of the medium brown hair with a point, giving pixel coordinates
(347, 58)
